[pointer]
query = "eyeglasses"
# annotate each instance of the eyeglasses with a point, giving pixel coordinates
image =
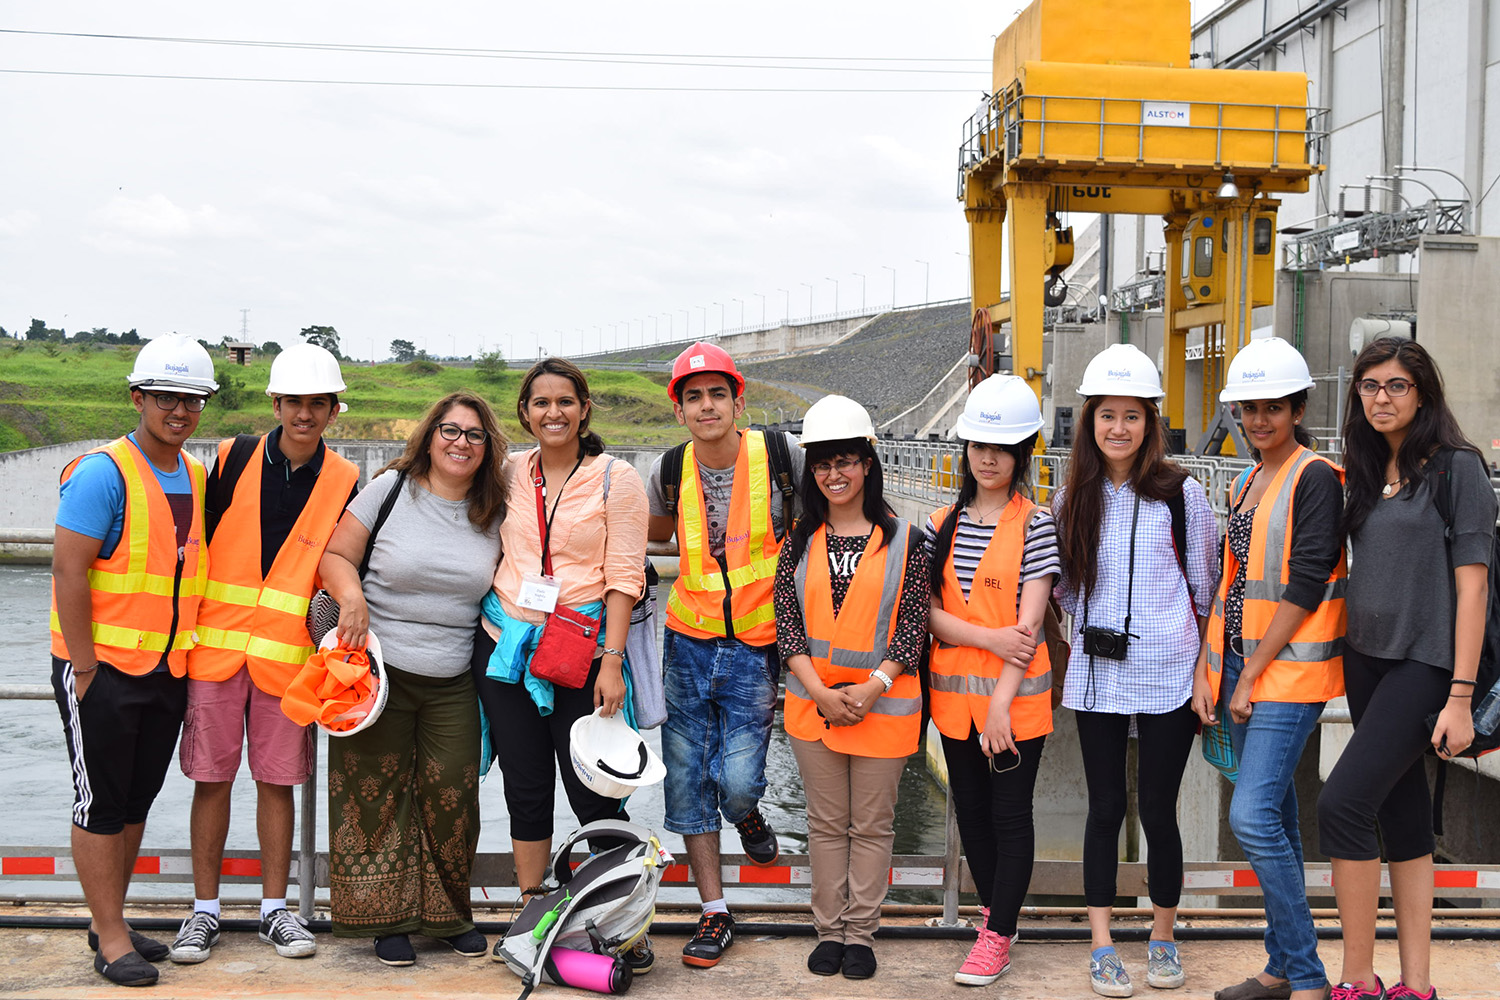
(1395, 387)
(474, 435)
(844, 465)
(168, 401)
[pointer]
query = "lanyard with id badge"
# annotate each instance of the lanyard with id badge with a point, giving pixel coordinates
(569, 639)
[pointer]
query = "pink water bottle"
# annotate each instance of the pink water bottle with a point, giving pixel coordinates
(586, 970)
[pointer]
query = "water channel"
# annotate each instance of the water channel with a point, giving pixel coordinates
(36, 790)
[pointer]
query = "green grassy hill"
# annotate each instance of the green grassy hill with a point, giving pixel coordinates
(72, 392)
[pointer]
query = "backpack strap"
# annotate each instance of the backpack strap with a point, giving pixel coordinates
(386, 506)
(1177, 504)
(1441, 466)
(671, 476)
(233, 467)
(781, 467)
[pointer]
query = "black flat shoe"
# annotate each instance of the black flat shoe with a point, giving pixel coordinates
(469, 944)
(826, 958)
(130, 969)
(395, 950)
(150, 949)
(859, 961)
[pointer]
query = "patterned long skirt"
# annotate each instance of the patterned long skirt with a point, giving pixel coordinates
(403, 812)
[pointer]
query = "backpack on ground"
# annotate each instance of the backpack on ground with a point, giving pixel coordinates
(603, 906)
(778, 457)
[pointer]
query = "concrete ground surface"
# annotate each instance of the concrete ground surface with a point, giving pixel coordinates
(54, 963)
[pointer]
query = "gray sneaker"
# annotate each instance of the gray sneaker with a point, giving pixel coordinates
(197, 935)
(1164, 966)
(288, 934)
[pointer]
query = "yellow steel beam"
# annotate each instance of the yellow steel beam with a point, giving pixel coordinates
(1108, 199)
(985, 210)
(1175, 354)
(1026, 219)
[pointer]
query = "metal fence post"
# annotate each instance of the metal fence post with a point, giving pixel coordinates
(952, 858)
(307, 854)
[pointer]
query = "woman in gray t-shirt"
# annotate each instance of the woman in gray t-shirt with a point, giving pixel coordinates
(1417, 606)
(403, 794)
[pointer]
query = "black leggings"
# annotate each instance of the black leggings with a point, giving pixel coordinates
(526, 743)
(1164, 744)
(1381, 774)
(995, 824)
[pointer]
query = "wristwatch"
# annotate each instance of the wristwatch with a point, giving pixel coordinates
(882, 677)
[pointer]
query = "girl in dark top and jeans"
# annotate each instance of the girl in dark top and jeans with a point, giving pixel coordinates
(1271, 659)
(1400, 664)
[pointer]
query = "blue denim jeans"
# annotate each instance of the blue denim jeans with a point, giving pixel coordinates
(721, 702)
(1263, 816)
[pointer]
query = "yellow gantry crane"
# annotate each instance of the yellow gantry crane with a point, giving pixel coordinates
(1096, 109)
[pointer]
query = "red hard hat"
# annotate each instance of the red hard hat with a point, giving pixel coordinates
(701, 359)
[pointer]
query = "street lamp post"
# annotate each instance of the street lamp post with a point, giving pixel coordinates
(809, 298)
(762, 298)
(721, 317)
(786, 306)
(926, 282)
(893, 283)
(835, 295)
(861, 278)
(742, 311)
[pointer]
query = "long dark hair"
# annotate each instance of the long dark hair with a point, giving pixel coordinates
(1297, 401)
(1365, 449)
(589, 443)
(488, 490)
(1020, 482)
(815, 504)
(1153, 477)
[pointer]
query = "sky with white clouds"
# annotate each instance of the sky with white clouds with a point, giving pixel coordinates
(464, 217)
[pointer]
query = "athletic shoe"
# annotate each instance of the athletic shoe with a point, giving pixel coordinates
(130, 969)
(1108, 977)
(639, 956)
(197, 935)
(826, 959)
(715, 934)
(288, 934)
(469, 944)
(988, 960)
(1358, 991)
(859, 961)
(1403, 992)
(758, 839)
(395, 949)
(150, 949)
(1164, 966)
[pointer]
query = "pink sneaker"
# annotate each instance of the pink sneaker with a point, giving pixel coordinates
(988, 960)
(1357, 991)
(1403, 992)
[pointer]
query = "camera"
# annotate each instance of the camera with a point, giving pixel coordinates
(1105, 642)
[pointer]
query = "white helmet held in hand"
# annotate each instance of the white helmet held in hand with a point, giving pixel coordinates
(836, 418)
(363, 715)
(1121, 370)
(176, 362)
(610, 758)
(1265, 369)
(305, 370)
(1002, 409)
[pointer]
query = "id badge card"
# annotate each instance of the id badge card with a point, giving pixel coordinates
(539, 592)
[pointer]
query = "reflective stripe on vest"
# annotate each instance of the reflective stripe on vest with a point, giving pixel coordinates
(1309, 668)
(263, 623)
(961, 679)
(848, 645)
(695, 605)
(135, 593)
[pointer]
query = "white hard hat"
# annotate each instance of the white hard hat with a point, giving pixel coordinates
(1000, 410)
(1121, 370)
(610, 757)
(305, 370)
(1265, 369)
(836, 418)
(175, 362)
(363, 715)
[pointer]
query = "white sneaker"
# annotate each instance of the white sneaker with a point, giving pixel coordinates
(195, 938)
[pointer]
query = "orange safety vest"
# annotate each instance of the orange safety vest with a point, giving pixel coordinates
(245, 619)
(144, 597)
(961, 679)
(696, 605)
(1310, 668)
(849, 645)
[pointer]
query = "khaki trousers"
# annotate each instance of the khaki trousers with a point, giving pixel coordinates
(851, 813)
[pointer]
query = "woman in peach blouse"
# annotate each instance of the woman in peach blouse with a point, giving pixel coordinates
(595, 511)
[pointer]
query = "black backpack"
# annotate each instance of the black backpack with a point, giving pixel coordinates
(778, 456)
